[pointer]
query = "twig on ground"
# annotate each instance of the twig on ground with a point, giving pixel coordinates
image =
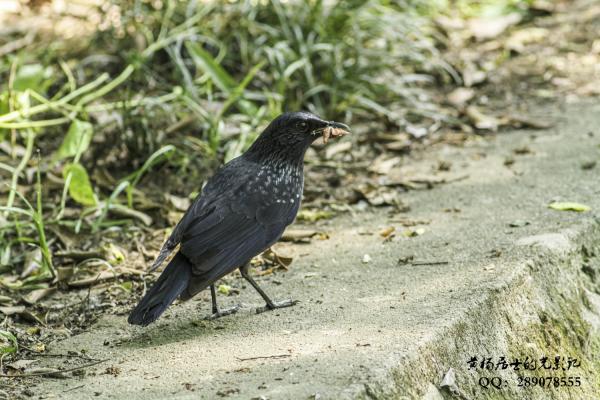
(263, 357)
(429, 262)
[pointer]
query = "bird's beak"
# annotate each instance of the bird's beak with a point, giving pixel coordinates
(339, 125)
(334, 129)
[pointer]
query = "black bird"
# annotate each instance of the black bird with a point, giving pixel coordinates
(243, 210)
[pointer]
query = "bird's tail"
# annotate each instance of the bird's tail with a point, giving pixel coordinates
(174, 279)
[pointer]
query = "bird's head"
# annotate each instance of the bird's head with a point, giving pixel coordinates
(300, 129)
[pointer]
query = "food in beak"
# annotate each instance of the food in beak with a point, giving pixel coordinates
(334, 130)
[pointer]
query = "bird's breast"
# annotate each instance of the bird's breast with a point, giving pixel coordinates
(278, 184)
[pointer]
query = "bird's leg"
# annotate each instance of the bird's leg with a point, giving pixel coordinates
(271, 305)
(215, 308)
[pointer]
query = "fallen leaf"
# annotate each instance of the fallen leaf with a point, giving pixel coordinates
(413, 232)
(398, 145)
(314, 215)
(64, 273)
(11, 310)
(416, 131)
(21, 365)
(520, 39)
(569, 206)
(472, 75)
(33, 262)
(181, 203)
(460, 96)
(381, 196)
(36, 295)
(521, 121)
(385, 232)
(490, 27)
(481, 120)
(297, 235)
(121, 210)
(382, 165)
(280, 255)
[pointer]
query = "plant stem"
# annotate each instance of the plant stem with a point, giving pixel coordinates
(38, 219)
(20, 168)
(40, 108)
(34, 124)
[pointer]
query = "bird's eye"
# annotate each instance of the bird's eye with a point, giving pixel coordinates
(301, 125)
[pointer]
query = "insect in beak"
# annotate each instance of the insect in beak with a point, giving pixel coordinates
(334, 129)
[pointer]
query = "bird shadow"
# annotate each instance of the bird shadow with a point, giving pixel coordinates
(167, 332)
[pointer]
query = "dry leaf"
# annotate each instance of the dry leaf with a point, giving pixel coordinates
(458, 97)
(521, 121)
(21, 365)
(36, 295)
(398, 146)
(280, 255)
(33, 262)
(472, 75)
(180, 203)
(521, 38)
(383, 165)
(482, 121)
(381, 196)
(296, 235)
(491, 27)
(11, 310)
(385, 232)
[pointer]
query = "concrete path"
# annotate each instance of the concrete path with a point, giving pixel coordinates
(389, 328)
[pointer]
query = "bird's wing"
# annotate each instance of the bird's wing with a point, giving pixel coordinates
(196, 211)
(201, 207)
(237, 229)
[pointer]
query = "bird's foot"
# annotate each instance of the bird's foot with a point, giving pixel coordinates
(222, 313)
(275, 305)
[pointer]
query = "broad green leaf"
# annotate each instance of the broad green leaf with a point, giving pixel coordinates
(569, 206)
(8, 343)
(77, 140)
(80, 188)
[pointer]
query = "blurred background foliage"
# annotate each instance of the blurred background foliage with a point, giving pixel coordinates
(145, 98)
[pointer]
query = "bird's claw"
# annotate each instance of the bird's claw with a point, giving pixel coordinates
(275, 305)
(222, 313)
